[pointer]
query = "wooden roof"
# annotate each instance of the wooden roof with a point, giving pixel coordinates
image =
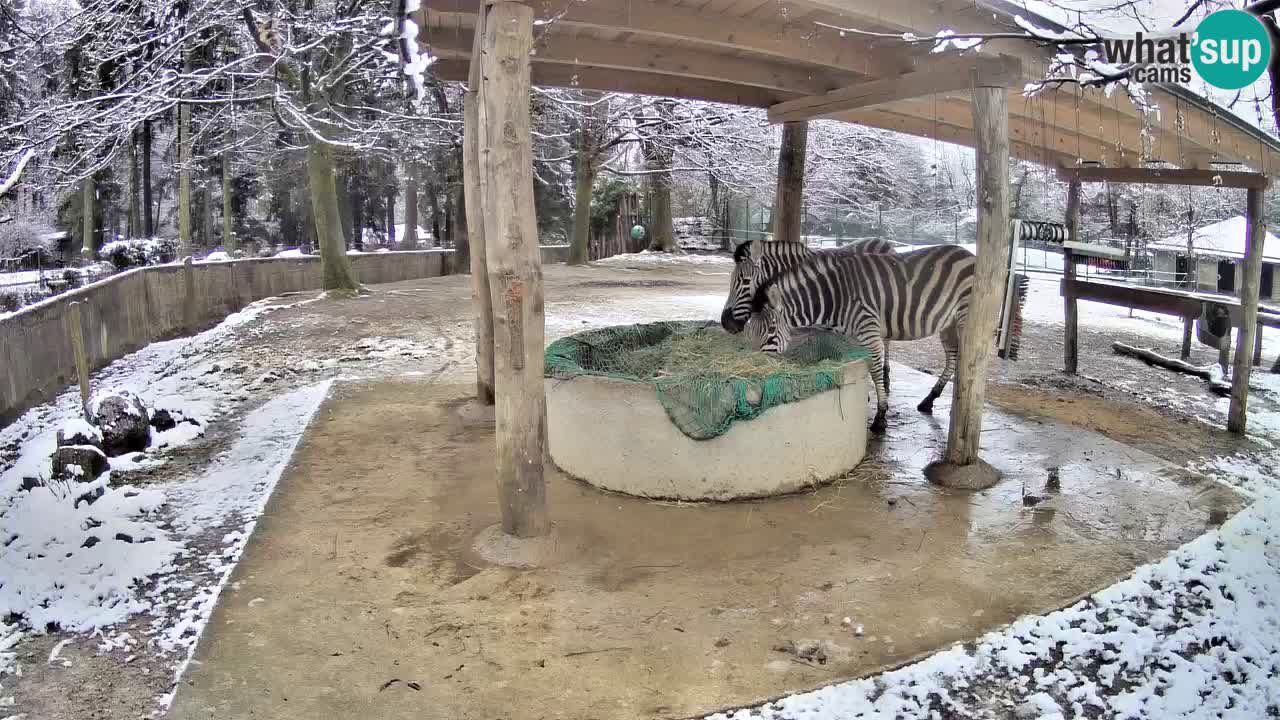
(764, 52)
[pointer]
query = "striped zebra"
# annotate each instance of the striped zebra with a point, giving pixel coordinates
(872, 298)
(755, 260)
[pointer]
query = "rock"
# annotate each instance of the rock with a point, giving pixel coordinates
(81, 463)
(79, 432)
(163, 420)
(123, 420)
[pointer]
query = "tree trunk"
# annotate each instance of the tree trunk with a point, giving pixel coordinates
(716, 229)
(450, 219)
(335, 265)
(228, 225)
(585, 175)
(208, 214)
(787, 212)
(433, 205)
(184, 180)
(148, 225)
(410, 239)
(133, 224)
(473, 175)
(514, 268)
(391, 209)
(991, 124)
(342, 183)
(87, 196)
(357, 220)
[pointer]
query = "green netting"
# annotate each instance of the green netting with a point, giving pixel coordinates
(706, 378)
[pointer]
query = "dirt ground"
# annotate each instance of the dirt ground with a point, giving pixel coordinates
(429, 328)
(361, 594)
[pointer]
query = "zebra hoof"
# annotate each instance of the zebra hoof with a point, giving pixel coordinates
(879, 425)
(926, 406)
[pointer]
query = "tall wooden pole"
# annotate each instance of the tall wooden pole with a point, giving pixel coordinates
(788, 218)
(472, 178)
(1249, 287)
(991, 126)
(514, 266)
(1070, 340)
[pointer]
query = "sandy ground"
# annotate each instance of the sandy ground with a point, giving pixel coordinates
(362, 594)
(428, 323)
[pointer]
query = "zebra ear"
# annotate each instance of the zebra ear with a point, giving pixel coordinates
(741, 250)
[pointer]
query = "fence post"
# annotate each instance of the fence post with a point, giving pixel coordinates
(75, 328)
(188, 295)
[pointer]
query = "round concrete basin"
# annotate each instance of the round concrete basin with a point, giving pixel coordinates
(616, 435)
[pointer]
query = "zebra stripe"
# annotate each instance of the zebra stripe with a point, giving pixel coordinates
(871, 298)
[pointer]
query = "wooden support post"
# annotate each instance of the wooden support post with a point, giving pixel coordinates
(1188, 325)
(1070, 338)
(787, 220)
(991, 125)
(1249, 286)
(1257, 346)
(514, 266)
(473, 199)
(75, 329)
(190, 314)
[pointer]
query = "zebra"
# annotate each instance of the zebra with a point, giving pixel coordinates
(755, 260)
(872, 298)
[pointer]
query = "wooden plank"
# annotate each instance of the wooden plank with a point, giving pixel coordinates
(1135, 297)
(1250, 283)
(939, 76)
(582, 77)
(702, 63)
(991, 121)
(1188, 325)
(515, 267)
(472, 175)
(1070, 336)
(793, 43)
(787, 215)
(939, 129)
(1159, 176)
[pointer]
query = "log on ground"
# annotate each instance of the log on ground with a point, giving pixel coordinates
(1151, 357)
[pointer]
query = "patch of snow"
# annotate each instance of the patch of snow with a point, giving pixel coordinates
(651, 257)
(291, 253)
(1221, 239)
(217, 256)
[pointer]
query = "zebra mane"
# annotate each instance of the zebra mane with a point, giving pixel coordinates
(740, 252)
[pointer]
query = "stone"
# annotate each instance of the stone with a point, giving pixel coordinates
(81, 463)
(123, 420)
(79, 432)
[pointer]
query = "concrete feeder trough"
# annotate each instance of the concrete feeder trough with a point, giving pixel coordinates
(616, 434)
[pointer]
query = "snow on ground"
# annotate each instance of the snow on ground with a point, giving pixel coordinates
(76, 566)
(649, 257)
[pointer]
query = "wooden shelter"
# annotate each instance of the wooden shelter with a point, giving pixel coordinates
(792, 58)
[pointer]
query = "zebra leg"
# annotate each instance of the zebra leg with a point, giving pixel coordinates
(886, 368)
(950, 337)
(878, 376)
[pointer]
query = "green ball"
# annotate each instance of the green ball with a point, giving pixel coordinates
(637, 232)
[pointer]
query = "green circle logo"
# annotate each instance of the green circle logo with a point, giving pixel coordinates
(1232, 49)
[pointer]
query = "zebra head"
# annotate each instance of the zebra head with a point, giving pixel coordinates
(766, 328)
(754, 262)
(746, 265)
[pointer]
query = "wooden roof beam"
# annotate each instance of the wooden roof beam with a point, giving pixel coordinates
(559, 49)
(935, 77)
(954, 133)
(1160, 176)
(800, 43)
(583, 77)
